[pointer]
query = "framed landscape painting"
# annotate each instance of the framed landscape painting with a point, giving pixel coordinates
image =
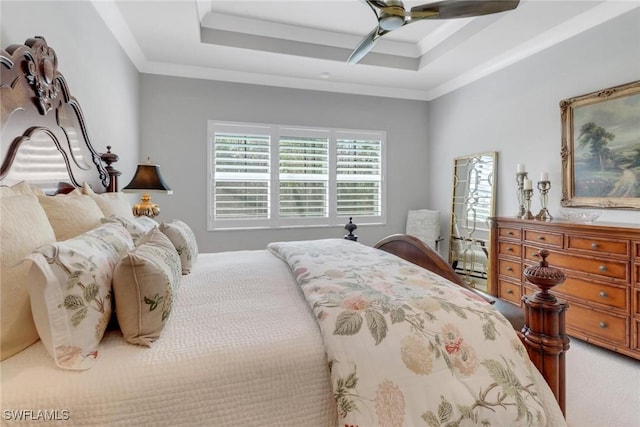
(601, 148)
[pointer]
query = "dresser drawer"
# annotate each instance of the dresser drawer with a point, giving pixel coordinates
(598, 324)
(509, 233)
(529, 289)
(599, 267)
(598, 246)
(595, 292)
(636, 302)
(509, 291)
(544, 238)
(510, 268)
(510, 249)
(636, 252)
(636, 335)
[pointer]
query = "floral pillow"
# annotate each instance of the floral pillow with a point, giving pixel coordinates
(146, 222)
(70, 291)
(143, 285)
(184, 241)
(138, 229)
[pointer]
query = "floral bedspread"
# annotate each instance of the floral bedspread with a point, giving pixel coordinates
(409, 348)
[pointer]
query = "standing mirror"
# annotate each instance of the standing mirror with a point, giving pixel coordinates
(473, 203)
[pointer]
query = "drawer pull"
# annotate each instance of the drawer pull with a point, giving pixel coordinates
(603, 268)
(603, 294)
(594, 246)
(509, 268)
(535, 254)
(510, 233)
(510, 291)
(541, 238)
(509, 249)
(602, 325)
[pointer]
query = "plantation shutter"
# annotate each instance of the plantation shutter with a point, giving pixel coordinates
(359, 174)
(241, 182)
(278, 176)
(303, 173)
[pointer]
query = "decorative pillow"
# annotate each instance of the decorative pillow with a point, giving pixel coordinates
(143, 285)
(184, 241)
(146, 222)
(110, 203)
(71, 214)
(70, 290)
(136, 228)
(24, 227)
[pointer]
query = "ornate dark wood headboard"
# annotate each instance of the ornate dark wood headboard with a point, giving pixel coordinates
(43, 131)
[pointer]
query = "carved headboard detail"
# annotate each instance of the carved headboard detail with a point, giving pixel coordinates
(43, 131)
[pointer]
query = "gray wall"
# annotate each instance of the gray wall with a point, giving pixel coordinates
(99, 74)
(516, 112)
(174, 114)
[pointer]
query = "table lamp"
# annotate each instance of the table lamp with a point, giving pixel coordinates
(147, 179)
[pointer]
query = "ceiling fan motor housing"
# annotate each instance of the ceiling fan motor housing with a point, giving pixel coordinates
(390, 21)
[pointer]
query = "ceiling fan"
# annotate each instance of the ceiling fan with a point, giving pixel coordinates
(392, 15)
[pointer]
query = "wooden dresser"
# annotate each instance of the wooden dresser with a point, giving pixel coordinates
(602, 264)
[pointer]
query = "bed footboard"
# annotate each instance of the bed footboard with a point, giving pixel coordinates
(540, 326)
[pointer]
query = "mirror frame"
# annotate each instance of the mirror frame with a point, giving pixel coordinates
(484, 244)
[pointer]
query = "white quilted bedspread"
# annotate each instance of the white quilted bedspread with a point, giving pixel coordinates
(241, 348)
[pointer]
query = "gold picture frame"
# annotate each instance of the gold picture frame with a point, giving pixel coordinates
(601, 148)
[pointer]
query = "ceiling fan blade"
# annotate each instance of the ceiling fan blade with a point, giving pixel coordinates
(377, 3)
(449, 9)
(365, 46)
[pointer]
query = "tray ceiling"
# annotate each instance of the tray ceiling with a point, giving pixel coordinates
(305, 43)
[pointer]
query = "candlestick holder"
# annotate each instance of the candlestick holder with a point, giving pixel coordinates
(520, 177)
(544, 187)
(527, 204)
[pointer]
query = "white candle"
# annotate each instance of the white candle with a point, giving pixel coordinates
(544, 176)
(520, 168)
(527, 184)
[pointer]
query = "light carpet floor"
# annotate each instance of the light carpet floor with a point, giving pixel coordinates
(603, 387)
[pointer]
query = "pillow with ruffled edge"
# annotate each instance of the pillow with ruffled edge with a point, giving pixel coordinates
(110, 203)
(184, 241)
(71, 214)
(24, 227)
(70, 290)
(136, 228)
(144, 282)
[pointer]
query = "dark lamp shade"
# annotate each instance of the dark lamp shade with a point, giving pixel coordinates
(147, 179)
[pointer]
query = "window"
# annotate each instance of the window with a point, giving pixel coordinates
(272, 176)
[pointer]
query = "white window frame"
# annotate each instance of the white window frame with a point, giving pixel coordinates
(274, 221)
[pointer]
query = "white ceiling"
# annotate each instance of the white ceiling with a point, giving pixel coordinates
(305, 43)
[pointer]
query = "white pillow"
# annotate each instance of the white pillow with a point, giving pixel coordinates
(146, 222)
(70, 290)
(24, 227)
(184, 241)
(110, 203)
(138, 229)
(71, 214)
(21, 188)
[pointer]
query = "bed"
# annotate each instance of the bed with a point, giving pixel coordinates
(314, 333)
